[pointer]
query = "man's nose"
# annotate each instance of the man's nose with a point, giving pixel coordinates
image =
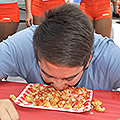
(59, 84)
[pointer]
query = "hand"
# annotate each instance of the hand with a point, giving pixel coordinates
(7, 110)
(29, 20)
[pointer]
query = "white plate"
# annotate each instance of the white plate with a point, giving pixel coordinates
(20, 100)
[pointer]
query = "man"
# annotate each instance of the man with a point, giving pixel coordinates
(62, 43)
(65, 52)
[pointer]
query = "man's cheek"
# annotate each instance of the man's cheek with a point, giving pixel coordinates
(46, 80)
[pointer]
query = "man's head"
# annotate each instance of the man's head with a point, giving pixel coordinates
(64, 38)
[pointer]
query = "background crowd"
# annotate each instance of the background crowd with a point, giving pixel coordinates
(34, 9)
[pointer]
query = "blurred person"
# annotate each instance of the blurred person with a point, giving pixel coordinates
(9, 18)
(100, 14)
(119, 8)
(115, 9)
(35, 9)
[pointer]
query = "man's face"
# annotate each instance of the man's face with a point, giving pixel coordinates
(60, 77)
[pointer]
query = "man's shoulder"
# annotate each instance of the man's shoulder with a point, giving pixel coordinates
(27, 33)
(100, 41)
(22, 37)
(104, 48)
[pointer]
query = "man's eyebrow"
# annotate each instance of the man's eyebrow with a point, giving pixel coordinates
(46, 73)
(61, 78)
(71, 76)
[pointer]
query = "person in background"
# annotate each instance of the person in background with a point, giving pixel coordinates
(9, 18)
(35, 9)
(62, 51)
(115, 9)
(100, 14)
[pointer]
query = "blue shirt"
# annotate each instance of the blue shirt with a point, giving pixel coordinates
(17, 59)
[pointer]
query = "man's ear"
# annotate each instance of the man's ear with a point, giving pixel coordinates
(39, 63)
(89, 60)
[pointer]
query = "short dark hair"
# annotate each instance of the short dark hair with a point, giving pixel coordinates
(65, 37)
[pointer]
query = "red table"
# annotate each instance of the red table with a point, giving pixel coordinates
(110, 99)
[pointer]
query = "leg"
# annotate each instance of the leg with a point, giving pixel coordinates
(104, 26)
(36, 20)
(93, 23)
(115, 10)
(7, 29)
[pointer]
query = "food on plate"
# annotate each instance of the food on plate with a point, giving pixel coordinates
(70, 98)
(12, 97)
(96, 104)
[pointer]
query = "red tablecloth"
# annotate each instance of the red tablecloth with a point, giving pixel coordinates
(110, 99)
